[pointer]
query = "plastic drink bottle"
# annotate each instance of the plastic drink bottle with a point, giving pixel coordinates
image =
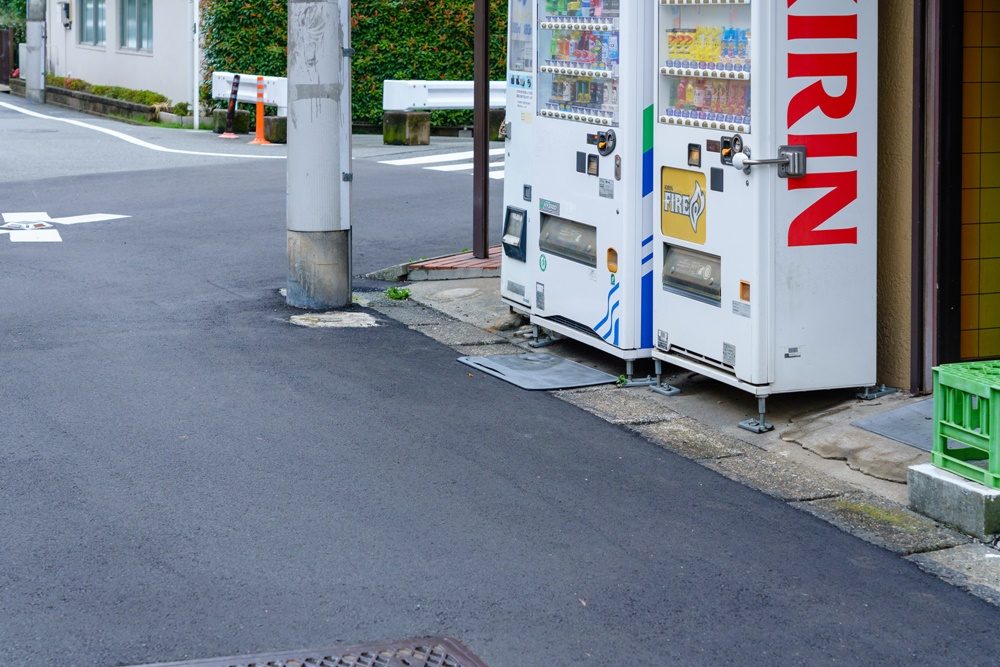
(680, 98)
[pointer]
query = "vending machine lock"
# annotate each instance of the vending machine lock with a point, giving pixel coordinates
(791, 161)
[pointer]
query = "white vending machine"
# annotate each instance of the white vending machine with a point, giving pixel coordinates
(578, 238)
(765, 154)
(516, 274)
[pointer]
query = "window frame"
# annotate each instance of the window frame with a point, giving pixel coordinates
(91, 18)
(142, 11)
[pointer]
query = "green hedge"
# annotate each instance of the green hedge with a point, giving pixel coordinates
(392, 39)
(147, 97)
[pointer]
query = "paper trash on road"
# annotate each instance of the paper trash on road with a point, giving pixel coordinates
(25, 225)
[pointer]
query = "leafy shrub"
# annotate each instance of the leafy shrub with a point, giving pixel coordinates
(182, 109)
(146, 97)
(392, 39)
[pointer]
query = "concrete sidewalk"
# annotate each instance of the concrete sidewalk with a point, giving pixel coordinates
(815, 459)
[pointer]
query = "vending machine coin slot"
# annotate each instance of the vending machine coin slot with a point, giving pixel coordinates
(607, 142)
(727, 151)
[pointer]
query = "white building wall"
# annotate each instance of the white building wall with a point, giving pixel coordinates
(166, 69)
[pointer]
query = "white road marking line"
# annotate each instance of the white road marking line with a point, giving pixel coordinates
(132, 140)
(460, 167)
(29, 216)
(35, 236)
(497, 175)
(441, 157)
(93, 217)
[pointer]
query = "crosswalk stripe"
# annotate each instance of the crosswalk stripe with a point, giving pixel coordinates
(442, 157)
(461, 167)
(497, 175)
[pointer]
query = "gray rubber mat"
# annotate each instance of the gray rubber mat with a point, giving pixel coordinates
(538, 371)
(911, 424)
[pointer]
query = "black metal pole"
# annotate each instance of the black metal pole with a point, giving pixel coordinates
(481, 132)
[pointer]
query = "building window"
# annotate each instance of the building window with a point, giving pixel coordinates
(137, 24)
(91, 21)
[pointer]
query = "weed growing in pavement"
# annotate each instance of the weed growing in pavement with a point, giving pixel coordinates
(398, 293)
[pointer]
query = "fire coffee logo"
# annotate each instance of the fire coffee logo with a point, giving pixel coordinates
(684, 205)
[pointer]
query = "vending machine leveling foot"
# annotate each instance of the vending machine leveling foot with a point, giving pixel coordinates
(758, 425)
(630, 381)
(540, 339)
(876, 391)
(659, 387)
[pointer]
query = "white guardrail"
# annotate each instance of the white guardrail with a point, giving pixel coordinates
(396, 95)
(437, 95)
(275, 89)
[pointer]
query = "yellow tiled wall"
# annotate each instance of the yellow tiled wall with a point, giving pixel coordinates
(980, 306)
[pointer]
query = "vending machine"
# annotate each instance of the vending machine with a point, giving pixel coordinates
(520, 225)
(765, 154)
(578, 223)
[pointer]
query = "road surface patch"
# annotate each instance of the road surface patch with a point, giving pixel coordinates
(428, 652)
(335, 320)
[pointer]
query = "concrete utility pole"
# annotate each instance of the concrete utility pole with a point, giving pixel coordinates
(34, 69)
(196, 63)
(319, 154)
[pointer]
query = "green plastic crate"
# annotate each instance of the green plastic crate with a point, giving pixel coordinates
(967, 421)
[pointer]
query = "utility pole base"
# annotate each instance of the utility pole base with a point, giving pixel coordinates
(319, 270)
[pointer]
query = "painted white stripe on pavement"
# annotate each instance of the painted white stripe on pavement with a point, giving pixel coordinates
(460, 167)
(37, 216)
(497, 175)
(132, 140)
(36, 236)
(93, 217)
(441, 157)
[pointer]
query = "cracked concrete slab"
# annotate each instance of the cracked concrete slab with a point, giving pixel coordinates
(974, 567)
(410, 314)
(475, 301)
(489, 350)
(621, 405)
(770, 474)
(883, 523)
(829, 433)
(689, 439)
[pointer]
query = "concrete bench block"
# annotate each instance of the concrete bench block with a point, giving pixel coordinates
(276, 129)
(406, 128)
(972, 508)
(241, 122)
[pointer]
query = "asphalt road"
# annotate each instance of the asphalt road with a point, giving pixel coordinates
(184, 474)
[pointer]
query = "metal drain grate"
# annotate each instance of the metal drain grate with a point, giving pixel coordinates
(426, 652)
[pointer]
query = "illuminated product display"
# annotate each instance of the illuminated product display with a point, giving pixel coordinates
(581, 148)
(765, 177)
